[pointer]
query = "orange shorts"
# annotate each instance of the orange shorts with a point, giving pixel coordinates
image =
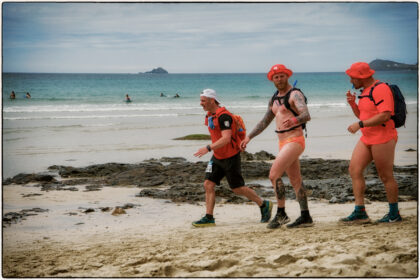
(297, 139)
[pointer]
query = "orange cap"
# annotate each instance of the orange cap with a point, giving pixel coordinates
(360, 70)
(278, 68)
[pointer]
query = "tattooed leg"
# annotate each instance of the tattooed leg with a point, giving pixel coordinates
(302, 199)
(280, 189)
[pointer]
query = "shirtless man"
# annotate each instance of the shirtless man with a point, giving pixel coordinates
(291, 144)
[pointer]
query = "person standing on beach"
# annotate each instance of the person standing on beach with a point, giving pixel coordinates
(291, 144)
(226, 159)
(377, 143)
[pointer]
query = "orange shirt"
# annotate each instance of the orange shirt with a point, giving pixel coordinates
(381, 133)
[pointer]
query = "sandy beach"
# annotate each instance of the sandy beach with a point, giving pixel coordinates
(67, 233)
(155, 239)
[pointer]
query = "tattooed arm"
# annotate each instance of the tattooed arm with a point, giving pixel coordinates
(298, 101)
(266, 120)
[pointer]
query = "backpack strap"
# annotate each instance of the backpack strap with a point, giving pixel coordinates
(370, 96)
(286, 103)
(285, 99)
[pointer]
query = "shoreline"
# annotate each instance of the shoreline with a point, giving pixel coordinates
(71, 230)
(35, 145)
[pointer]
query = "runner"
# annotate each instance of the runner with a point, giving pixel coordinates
(226, 159)
(377, 143)
(289, 124)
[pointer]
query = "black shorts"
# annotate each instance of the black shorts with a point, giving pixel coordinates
(229, 167)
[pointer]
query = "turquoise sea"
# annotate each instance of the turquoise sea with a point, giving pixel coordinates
(83, 119)
(78, 96)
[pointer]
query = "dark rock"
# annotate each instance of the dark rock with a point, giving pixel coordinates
(183, 181)
(410, 150)
(31, 194)
(97, 170)
(92, 188)
(57, 187)
(128, 206)
(89, 210)
(22, 179)
(14, 217)
(261, 155)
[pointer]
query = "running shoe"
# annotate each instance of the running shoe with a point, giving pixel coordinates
(387, 219)
(301, 222)
(266, 211)
(278, 220)
(204, 222)
(356, 218)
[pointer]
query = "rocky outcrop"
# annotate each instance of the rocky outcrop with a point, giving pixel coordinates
(158, 70)
(178, 180)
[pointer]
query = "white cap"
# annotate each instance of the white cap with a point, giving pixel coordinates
(210, 93)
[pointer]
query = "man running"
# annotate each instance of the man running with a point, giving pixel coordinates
(291, 143)
(377, 143)
(226, 159)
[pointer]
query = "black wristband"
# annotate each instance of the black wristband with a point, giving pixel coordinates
(361, 124)
(208, 148)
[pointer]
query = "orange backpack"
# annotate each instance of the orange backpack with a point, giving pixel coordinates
(240, 126)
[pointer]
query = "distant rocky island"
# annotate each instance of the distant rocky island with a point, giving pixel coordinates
(388, 65)
(158, 70)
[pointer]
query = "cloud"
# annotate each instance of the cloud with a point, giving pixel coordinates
(220, 35)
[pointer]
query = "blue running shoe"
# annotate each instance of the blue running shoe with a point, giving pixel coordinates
(356, 218)
(388, 219)
(266, 211)
(204, 222)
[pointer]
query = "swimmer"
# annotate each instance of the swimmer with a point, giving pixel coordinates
(127, 98)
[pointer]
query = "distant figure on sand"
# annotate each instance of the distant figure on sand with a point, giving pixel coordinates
(377, 143)
(226, 159)
(127, 98)
(289, 108)
(13, 95)
(162, 95)
(176, 95)
(28, 96)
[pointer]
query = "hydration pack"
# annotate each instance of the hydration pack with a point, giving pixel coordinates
(400, 108)
(286, 103)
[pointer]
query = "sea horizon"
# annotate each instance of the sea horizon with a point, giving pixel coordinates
(198, 73)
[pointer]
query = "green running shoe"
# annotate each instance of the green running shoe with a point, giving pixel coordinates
(266, 211)
(204, 222)
(356, 218)
(388, 219)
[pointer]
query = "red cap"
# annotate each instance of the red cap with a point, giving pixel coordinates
(278, 68)
(360, 70)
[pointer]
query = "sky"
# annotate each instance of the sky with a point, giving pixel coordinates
(204, 37)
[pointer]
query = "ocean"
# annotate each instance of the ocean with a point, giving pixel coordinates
(83, 119)
(101, 96)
